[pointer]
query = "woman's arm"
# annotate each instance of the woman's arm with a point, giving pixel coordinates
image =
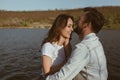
(67, 48)
(56, 68)
(47, 65)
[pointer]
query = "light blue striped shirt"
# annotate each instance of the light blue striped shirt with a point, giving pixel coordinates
(88, 58)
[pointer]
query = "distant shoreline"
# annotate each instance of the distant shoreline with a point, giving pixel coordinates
(40, 26)
(23, 28)
(48, 28)
(44, 19)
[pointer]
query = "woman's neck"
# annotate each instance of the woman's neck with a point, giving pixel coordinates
(61, 41)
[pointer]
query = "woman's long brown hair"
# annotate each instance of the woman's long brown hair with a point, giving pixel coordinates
(59, 23)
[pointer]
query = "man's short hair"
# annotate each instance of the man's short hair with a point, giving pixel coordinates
(95, 17)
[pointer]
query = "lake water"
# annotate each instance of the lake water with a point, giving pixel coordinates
(20, 58)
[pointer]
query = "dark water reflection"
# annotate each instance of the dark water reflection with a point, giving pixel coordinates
(20, 59)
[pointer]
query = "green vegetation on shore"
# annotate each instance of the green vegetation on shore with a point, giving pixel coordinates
(44, 19)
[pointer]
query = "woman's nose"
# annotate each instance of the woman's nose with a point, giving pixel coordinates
(71, 28)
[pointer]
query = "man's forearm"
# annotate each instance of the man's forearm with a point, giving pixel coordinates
(79, 58)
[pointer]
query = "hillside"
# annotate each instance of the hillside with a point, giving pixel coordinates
(41, 19)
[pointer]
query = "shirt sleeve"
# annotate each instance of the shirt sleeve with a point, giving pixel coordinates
(47, 49)
(74, 65)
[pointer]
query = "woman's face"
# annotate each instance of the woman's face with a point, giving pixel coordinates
(67, 30)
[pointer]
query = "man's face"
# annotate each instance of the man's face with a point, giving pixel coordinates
(80, 25)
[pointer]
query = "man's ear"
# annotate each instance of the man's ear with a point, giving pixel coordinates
(87, 25)
(90, 25)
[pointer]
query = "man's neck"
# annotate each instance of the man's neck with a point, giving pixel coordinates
(84, 34)
(87, 33)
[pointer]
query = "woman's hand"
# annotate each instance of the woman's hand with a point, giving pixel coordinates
(67, 41)
(67, 48)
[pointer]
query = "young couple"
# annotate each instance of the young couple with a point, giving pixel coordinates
(60, 62)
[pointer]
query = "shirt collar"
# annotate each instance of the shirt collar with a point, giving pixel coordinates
(90, 35)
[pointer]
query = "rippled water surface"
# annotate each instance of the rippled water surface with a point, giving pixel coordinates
(20, 58)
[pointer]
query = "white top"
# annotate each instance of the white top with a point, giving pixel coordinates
(54, 51)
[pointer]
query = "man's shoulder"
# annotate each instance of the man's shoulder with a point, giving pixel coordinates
(91, 44)
(80, 45)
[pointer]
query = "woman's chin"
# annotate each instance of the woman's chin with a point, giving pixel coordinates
(68, 37)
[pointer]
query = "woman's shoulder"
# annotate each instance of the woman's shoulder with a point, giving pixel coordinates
(47, 49)
(48, 44)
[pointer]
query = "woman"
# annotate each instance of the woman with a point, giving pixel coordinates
(55, 48)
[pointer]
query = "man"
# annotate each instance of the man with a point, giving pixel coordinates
(88, 57)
